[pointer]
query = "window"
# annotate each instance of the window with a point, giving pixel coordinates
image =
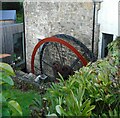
(18, 44)
(106, 39)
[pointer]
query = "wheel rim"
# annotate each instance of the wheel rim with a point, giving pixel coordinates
(88, 54)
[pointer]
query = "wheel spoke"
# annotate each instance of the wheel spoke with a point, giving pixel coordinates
(59, 53)
(62, 54)
(48, 53)
(37, 68)
(74, 63)
(47, 63)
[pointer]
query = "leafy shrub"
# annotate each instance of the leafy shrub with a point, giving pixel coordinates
(9, 106)
(94, 83)
(114, 50)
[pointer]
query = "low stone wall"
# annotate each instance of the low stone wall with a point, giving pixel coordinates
(25, 82)
(44, 19)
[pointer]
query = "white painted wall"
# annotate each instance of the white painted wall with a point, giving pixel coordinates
(119, 18)
(108, 20)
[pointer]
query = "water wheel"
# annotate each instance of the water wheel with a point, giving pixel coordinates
(60, 54)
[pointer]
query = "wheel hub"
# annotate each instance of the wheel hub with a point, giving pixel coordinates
(64, 70)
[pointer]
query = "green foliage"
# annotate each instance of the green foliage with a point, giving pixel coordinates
(94, 90)
(36, 108)
(7, 69)
(114, 49)
(9, 106)
(6, 72)
(15, 108)
(24, 98)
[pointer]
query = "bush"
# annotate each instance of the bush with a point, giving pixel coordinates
(91, 91)
(9, 106)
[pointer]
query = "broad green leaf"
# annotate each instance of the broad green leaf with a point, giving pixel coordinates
(104, 115)
(6, 78)
(81, 95)
(88, 108)
(63, 112)
(58, 109)
(74, 98)
(52, 115)
(7, 68)
(60, 100)
(15, 107)
(1, 82)
(2, 98)
(83, 105)
(110, 113)
(115, 112)
(61, 78)
(72, 81)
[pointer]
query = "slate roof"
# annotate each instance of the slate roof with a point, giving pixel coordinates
(7, 14)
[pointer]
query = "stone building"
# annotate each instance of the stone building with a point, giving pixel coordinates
(45, 19)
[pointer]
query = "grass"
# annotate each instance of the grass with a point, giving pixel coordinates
(23, 98)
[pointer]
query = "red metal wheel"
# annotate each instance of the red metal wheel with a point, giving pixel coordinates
(60, 41)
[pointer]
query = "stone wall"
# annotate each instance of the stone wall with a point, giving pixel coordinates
(44, 19)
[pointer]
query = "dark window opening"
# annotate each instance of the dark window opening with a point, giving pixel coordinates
(18, 44)
(106, 39)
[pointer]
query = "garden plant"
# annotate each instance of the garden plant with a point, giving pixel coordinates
(14, 101)
(9, 107)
